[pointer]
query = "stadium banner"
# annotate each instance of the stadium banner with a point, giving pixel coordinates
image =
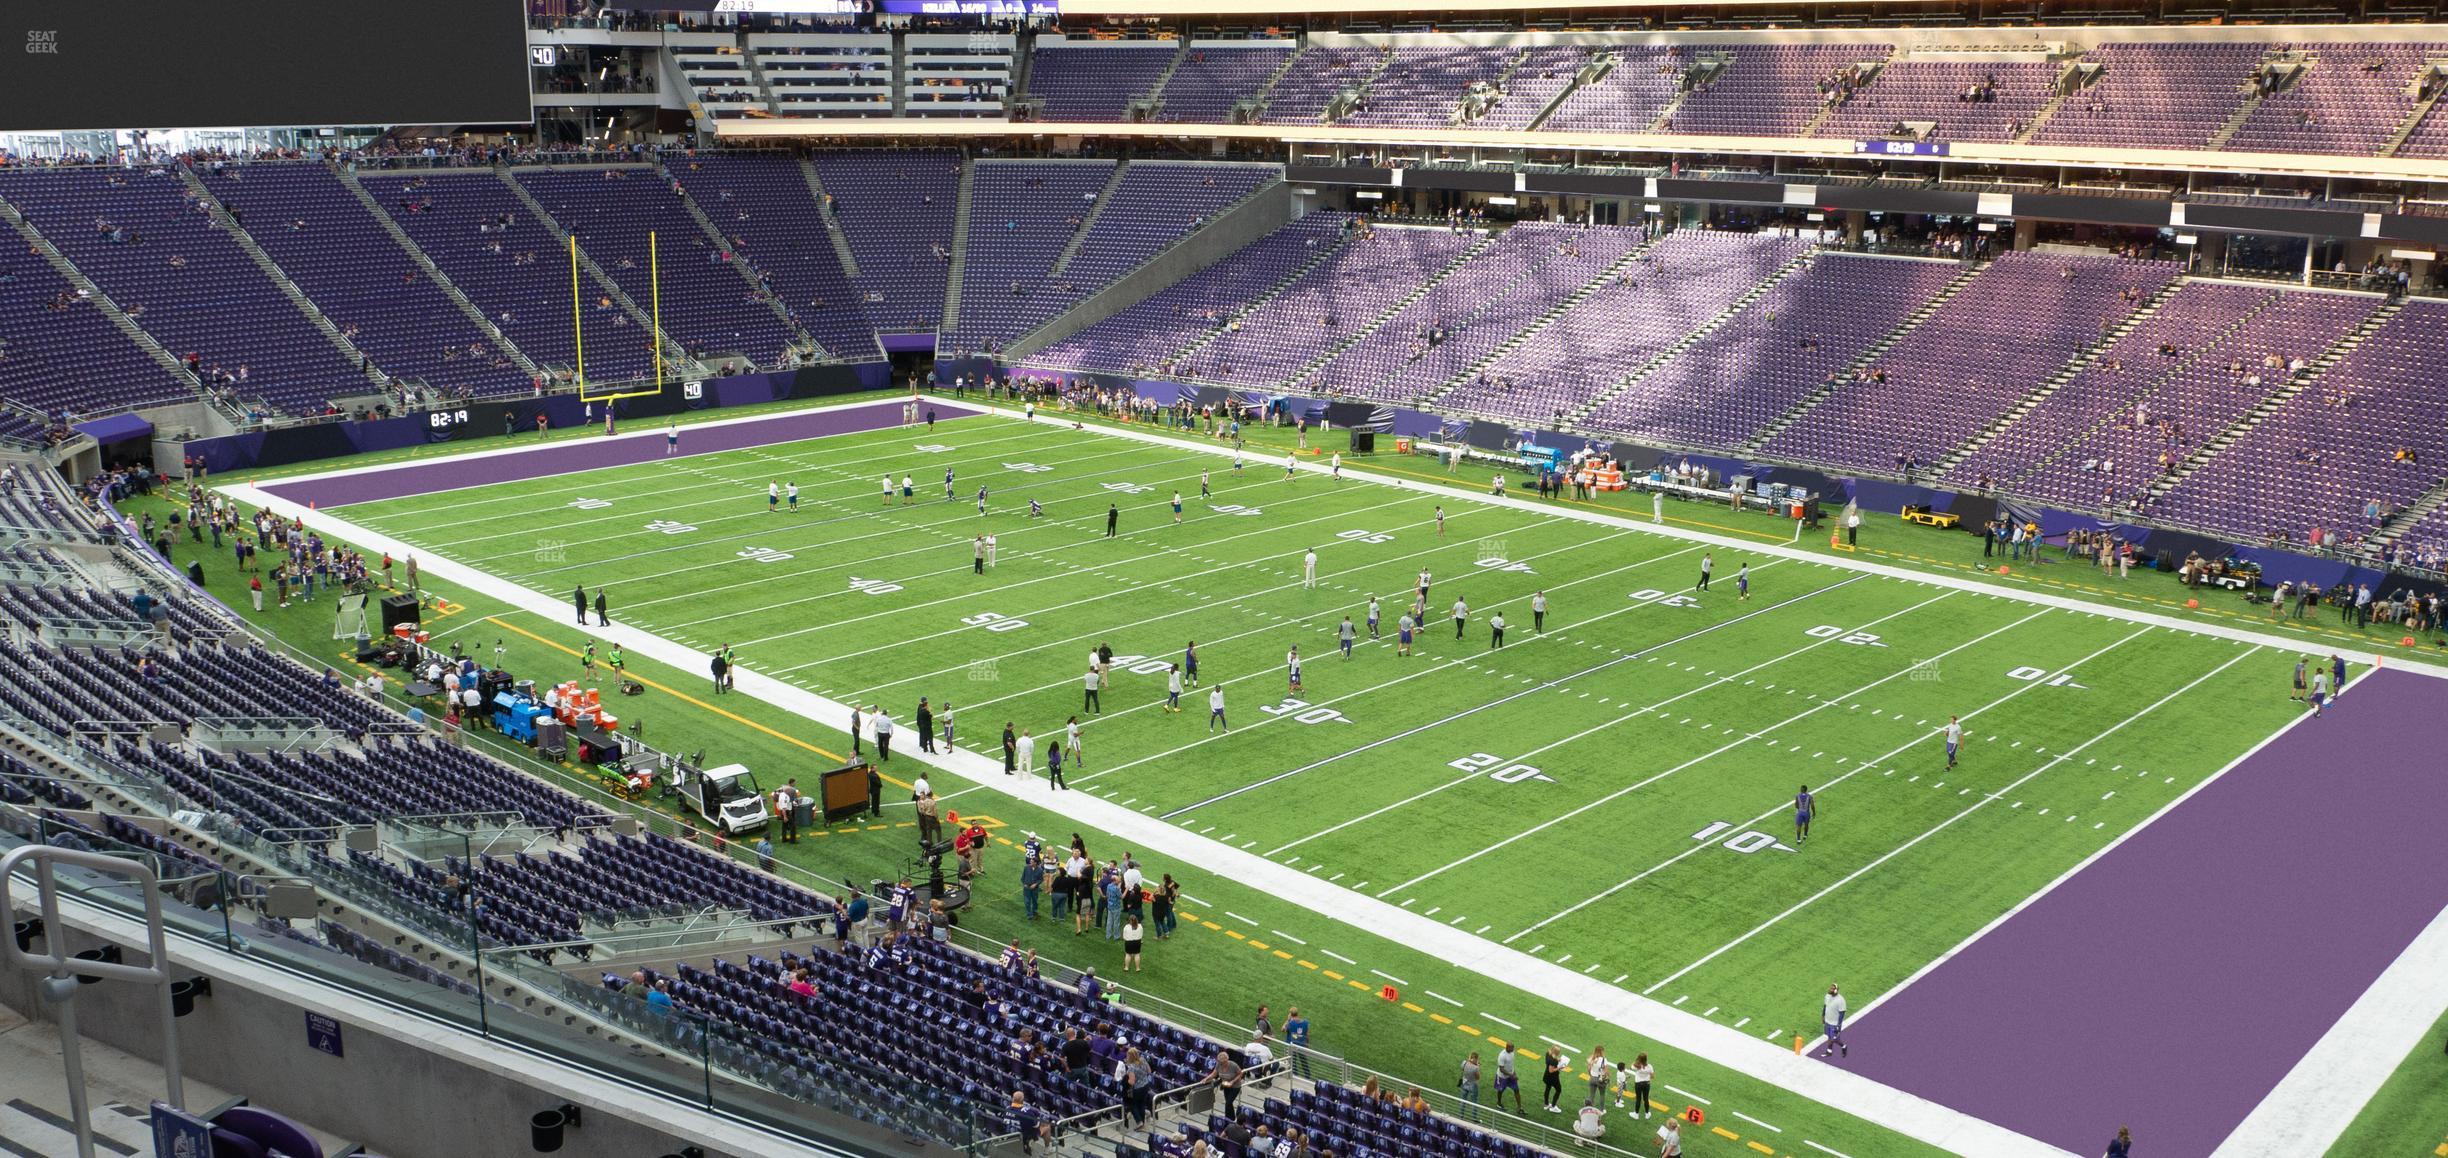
(1337, 175)
(1586, 184)
(1879, 199)
(288, 445)
(2106, 210)
(1734, 192)
(1463, 180)
(2251, 219)
(2409, 227)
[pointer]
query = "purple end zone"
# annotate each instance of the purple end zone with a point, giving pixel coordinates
(642, 445)
(2172, 983)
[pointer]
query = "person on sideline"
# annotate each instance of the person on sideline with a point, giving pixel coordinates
(1831, 1019)
(1469, 1085)
(1592, 1123)
(1506, 1077)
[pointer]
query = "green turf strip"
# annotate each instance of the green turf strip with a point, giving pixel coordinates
(1622, 799)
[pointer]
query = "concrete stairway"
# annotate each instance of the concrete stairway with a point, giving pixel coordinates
(1692, 338)
(833, 229)
(2275, 400)
(2204, 346)
(747, 273)
(1273, 292)
(1547, 319)
(960, 250)
(2413, 118)
(1079, 237)
(2072, 369)
(434, 274)
(2414, 513)
(674, 352)
(2244, 111)
(1869, 357)
(289, 289)
(1266, 89)
(41, 247)
(1155, 91)
(1301, 376)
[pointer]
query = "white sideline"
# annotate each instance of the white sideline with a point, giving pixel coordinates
(1359, 473)
(2321, 1094)
(2317, 1099)
(1907, 1114)
(646, 429)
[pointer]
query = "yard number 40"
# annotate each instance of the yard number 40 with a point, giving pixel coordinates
(1509, 774)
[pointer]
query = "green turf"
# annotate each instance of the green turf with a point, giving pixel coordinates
(1636, 746)
(2409, 1116)
(1201, 968)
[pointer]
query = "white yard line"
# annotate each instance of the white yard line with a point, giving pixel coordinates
(1072, 681)
(1475, 709)
(811, 461)
(1924, 738)
(653, 434)
(772, 528)
(1842, 1091)
(1977, 804)
(1854, 1017)
(1719, 681)
(1695, 761)
(1842, 562)
(1469, 660)
(1060, 577)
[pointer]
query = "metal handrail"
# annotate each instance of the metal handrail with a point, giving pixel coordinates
(60, 986)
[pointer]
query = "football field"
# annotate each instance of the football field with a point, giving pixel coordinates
(1613, 793)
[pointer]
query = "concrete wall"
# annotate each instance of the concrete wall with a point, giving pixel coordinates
(179, 423)
(1264, 212)
(406, 1086)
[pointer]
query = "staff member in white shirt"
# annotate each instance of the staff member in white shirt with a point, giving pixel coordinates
(1831, 1019)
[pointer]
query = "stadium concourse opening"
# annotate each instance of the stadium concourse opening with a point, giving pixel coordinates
(1776, 578)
